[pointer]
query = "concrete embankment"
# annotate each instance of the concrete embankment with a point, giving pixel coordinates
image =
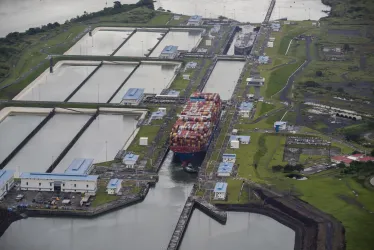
(72, 142)
(84, 81)
(182, 224)
(27, 139)
(7, 218)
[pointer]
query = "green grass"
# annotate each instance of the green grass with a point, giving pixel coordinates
(233, 189)
(160, 19)
(149, 131)
(178, 22)
(278, 78)
(263, 108)
(102, 196)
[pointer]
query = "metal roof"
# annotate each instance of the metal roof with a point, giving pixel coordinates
(61, 177)
(79, 166)
(242, 138)
(229, 156)
(195, 18)
(131, 157)
(279, 123)
(158, 114)
(225, 167)
(170, 49)
(114, 183)
(246, 106)
(220, 187)
(133, 94)
(5, 175)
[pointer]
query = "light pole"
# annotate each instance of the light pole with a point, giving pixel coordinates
(106, 150)
(142, 49)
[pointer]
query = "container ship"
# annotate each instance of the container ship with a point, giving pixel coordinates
(194, 130)
(245, 40)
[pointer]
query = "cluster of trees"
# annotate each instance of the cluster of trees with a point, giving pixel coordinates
(288, 168)
(360, 168)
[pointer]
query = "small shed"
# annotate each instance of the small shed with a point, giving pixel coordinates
(270, 44)
(143, 141)
(279, 125)
(114, 186)
(130, 160)
(234, 131)
(220, 191)
(244, 139)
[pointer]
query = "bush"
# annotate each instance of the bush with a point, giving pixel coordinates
(319, 73)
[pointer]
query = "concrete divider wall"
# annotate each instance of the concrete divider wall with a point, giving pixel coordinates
(27, 139)
(159, 41)
(72, 142)
(84, 81)
(20, 110)
(124, 41)
(123, 83)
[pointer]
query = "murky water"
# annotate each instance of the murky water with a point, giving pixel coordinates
(242, 231)
(44, 147)
(139, 44)
(14, 129)
(152, 77)
(58, 85)
(102, 85)
(101, 43)
(185, 40)
(20, 15)
(147, 225)
(224, 78)
(101, 141)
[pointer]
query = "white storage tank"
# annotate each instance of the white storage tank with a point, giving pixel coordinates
(143, 141)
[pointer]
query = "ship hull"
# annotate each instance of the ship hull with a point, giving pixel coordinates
(195, 157)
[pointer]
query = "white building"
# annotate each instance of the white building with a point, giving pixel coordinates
(130, 160)
(243, 139)
(114, 186)
(143, 141)
(195, 20)
(133, 96)
(72, 183)
(270, 44)
(229, 158)
(279, 125)
(234, 144)
(234, 131)
(220, 191)
(245, 109)
(80, 166)
(169, 52)
(272, 39)
(6, 182)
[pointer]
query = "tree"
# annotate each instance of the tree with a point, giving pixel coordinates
(372, 152)
(319, 73)
(341, 90)
(346, 47)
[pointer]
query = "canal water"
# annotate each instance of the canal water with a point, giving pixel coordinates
(153, 77)
(139, 44)
(242, 231)
(185, 40)
(22, 14)
(224, 78)
(102, 85)
(22, 125)
(58, 85)
(101, 141)
(44, 147)
(147, 225)
(101, 43)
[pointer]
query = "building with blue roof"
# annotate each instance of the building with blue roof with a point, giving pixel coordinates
(245, 109)
(263, 60)
(275, 26)
(72, 183)
(80, 166)
(114, 186)
(220, 191)
(6, 182)
(195, 21)
(244, 139)
(133, 96)
(225, 169)
(169, 52)
(229, 158)
(130, 160)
